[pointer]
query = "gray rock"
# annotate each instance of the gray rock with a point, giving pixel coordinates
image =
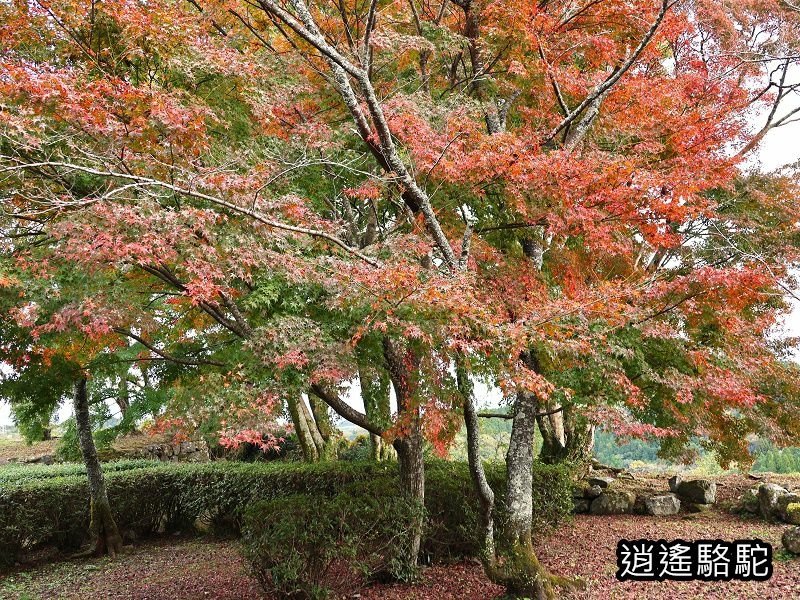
(613, 503)
(698, 491)
(748, 502)
(40, 459)
(662, 505)
(581, 505)
(674, 482)
(602, 482)
(639, 507)
(593, 491)
(698, 507)
(791, 540)
(584, 490)
(579, 490)
(768, 496)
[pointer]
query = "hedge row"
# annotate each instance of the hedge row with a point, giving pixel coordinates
(52, 511)
(14, 474)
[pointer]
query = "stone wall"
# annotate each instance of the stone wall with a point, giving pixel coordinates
(159, 446)
(178, 452)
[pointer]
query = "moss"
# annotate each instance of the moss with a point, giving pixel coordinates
(519, 570)
(793, 513)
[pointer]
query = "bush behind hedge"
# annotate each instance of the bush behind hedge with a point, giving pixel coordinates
(50, 507)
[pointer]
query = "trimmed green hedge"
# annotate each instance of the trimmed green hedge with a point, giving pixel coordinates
(48, 506)
(18, 473)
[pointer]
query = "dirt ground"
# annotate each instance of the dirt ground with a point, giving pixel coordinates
(19, 450)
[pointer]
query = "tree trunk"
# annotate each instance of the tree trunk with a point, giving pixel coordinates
(478, 475)
(402, 368)
(302, 429)
(375, 385)
(410, 458)
(517, 567)
(566, 436)
(313, 430)
(103, 530)
(123, 398)
(328, 434)
(379, 450)
(375, 443)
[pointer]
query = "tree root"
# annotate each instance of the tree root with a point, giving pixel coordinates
(105, 537)
(525, 577)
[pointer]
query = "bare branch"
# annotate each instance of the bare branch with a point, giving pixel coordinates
(165, 355)
(344, 410)
(492, 415)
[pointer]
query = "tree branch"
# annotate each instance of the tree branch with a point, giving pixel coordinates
(414, 196)
(344, 410)
(491, 415)
(147, 181)
(616, 75)
(163, 354)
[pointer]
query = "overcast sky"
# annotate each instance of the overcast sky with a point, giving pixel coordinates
(780, 148)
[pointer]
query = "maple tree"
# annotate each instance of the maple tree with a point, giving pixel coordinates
(286, 198)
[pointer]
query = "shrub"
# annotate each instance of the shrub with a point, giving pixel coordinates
(303, 547)
(68, 448)
(452, 527)
(380, 521)
(552, 495)
(48, 505)
(291, 543)
(355, 450)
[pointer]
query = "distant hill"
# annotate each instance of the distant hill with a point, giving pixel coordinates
(349, 430)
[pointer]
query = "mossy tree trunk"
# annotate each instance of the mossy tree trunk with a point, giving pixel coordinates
(402, 366)
(375, 392)
(566, 435)
(302, 428)
(508, 555)
(328, 440)
(517, 567)
(105, 537)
